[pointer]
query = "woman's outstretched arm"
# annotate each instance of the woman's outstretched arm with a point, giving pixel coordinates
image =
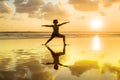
(47, 25)
(63, 23)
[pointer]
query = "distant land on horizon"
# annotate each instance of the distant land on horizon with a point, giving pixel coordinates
(72, 34)
(79, 32)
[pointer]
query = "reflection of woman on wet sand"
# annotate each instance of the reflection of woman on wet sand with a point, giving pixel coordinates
(56, 56)
(56, 30)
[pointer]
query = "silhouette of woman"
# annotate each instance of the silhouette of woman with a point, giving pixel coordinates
(56, 56)
(55, 32)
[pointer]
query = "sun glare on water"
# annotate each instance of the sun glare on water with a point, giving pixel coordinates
(96, 43)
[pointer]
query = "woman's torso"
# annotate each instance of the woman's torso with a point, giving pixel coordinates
(55, 29)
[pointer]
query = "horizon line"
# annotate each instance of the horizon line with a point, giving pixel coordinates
(60, 32)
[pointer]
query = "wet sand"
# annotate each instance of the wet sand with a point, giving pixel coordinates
(23, 59)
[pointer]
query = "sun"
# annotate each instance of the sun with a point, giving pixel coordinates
(96, 24)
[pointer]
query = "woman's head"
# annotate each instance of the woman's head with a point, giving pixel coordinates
(56, 67)
(55, 21)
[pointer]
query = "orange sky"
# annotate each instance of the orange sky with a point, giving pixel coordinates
(29, 15)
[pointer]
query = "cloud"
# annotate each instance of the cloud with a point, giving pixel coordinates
(91, 5)
(85, 67)
(4, 8)
(4, 63)
(82, 66)
(38, 9)
(85, 5)
(51, 11)
(30, 70)
(36, 70)
(95, 74)
(4, 0)
(28, 6)
(108, 3)
(112, 69)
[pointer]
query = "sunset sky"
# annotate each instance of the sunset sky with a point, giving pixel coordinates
(84, 15)
(82, 53)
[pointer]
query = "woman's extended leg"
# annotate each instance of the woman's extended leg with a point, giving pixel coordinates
(49, 39)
